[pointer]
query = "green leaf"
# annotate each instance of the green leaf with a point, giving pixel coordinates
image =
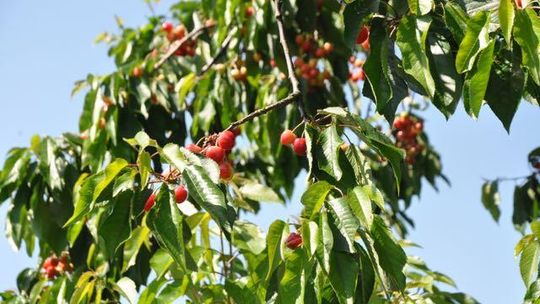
(116, 228)
(166, 223)
(456, 20)
(248, 236)
(326, 242)
(277, 233)
(84, 197)
(128, 289)
(391, 256)
(526, 22)
(112, 170)
(360, 204)
(366, 277)
(144, 162)
(259, 193)
(314, 197)
(184, 86)
(133, 245)
(345, 220)
(491, 199)
(207, 195)
(420, 7)
(504, 91)
(476, 81)
(174, 156)
(49, 163)
(160, 262)
(506, 19)
(329, 142)
(528, 263)
(343, 275)
(411, 39)
(448, 83)
(476, 39)
(290, 286)
(376, 66)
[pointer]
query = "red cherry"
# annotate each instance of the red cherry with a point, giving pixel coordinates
(225, 140)
(365, 45)
(50, 262)
(216, 153)
(194, 148)
(287, 137)
(273, 62)
(150, 202)
(328, 47)
(236, 131)
(320, 52)
(519, 3)
(419, 126)
(313, 72)
(363, 35)
(306, 46)
(293, 241)
(250, 11)
(167, 26)
(299, 40)
(179, 31)
(399, 123)
(225, 171)
(537, 165)
(50, 273)
(137, 72)
(180, 194)
(299, 146)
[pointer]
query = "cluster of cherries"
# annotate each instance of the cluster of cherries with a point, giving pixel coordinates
(357, 73)
(216, 148)
(239, 71)
(176, 33)
(406, 131)
(298, 143)
(307, 68)
(293, 241)
(55, 266)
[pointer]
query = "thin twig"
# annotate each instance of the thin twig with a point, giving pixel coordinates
(219, 53)
(295, 94)
(178, 43)
(502, 179)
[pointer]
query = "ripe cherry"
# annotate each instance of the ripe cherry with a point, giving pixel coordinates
(273, 62)
(366, 46)
(167, 26)
(150, 202)
(293, 241)
(215, 153)
(225, 171)
(363, 35)
(306, 46)
(299, 146)
(287, 137)
(180, 194)
(225, 140)
(137, 72)
(179, 31)
(50, 273)
(299, 39)
(328, 47)
(236, 131)
(250, 11)
(319, 52)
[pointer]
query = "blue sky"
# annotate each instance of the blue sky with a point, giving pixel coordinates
(46, 46)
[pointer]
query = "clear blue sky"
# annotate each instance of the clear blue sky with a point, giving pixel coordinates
(46, 46)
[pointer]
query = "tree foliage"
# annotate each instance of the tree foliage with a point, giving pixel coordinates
(106, 198)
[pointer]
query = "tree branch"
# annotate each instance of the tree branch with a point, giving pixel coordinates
(179, 43)
(219, 53)
(295, 95)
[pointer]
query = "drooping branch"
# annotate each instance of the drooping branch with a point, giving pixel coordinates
(219, 53)
(295, 95)
(179, 43)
